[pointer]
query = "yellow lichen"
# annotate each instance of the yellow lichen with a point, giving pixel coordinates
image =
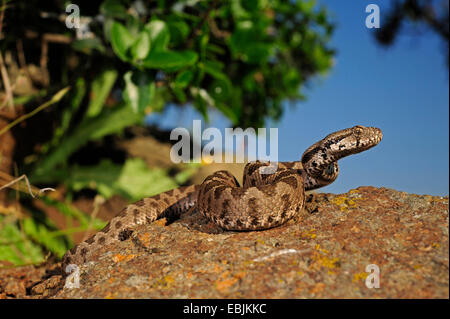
(111, 295)
(164, 282)
(309, 234)
(359, 276)
(321, 249)
(345, 203)
(321, 260)
(169, 279)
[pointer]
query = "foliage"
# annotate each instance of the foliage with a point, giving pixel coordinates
(433, 14)
(130, 58)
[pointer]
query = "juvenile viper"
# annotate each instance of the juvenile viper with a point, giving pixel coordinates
(264, 201)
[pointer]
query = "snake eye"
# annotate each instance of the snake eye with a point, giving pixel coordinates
(358, 129)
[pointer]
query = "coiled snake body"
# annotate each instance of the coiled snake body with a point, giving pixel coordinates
(264, 201)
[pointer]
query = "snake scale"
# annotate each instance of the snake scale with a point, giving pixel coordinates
(264, 201)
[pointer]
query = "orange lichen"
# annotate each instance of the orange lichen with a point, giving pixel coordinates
(319, 287)
(228, 280)
(161, 222)
(145, 239)
(224, 285)
(119, 258)
(217, 269)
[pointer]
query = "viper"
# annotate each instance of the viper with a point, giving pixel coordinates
(264, 200)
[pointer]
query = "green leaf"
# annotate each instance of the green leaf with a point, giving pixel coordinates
(159, 35)
(184, 78)
(202, 99)
(121, 41)
(75, 99)
(101, 86)
(188, 171)
(15, 247)
(137, 180)
(249, 45)
(306, 6)
(139, 90)
(214, 68)
(107, 122)
(220, 90)
(134, 25)
(141, 47)
(178, 30)
(134, 180)
(179, 93)
(162, 94)
(221, 87)
(70, 211)
(113, 8)
(172, 60)
(238, 11)
(100, 177)
(107, 26)
(41, 234)
(228, 112)
(88, 45)
(250, 5)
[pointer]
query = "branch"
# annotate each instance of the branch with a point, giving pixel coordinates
(8, 90)
(200, 23)
(28, 185)
(58, 96)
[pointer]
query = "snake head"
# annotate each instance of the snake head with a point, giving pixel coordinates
(362, 138)
(320, 159)
(338, 145)
(351, 141)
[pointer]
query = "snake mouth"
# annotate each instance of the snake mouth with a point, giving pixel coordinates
(353, 140)
(364, 138)
(373, 136)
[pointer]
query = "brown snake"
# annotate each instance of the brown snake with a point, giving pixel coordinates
(264, 201)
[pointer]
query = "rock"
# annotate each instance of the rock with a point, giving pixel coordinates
(19, 281)
(324, 253)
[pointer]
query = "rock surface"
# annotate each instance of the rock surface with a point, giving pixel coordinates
(321, 254)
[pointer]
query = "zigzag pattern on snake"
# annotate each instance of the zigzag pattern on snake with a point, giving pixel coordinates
(264, 201)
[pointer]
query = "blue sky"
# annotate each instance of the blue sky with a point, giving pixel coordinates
(402, 89)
